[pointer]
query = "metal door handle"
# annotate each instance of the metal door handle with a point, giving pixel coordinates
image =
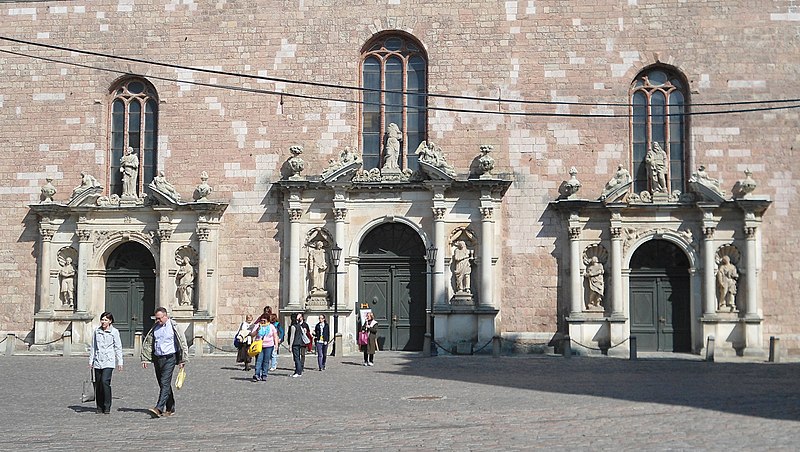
(394, 318)
(133, 318)
(662, 320)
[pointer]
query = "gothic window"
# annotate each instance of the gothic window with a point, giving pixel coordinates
(394, 75)
(134, 121)
(658, 98)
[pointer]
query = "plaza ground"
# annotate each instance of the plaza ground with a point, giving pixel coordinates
(409, 402)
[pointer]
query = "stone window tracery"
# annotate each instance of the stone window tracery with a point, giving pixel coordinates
(394, 75)
(659, 101)
(134, 123)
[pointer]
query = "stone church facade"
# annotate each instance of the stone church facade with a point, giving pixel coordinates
(520, 170)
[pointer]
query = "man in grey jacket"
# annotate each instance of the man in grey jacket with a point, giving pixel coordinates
(164, 346)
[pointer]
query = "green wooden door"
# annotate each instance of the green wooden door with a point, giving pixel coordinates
(659, 312)
(396, 295)
(130, 290)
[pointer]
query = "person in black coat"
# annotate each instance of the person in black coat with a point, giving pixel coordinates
(322, 336)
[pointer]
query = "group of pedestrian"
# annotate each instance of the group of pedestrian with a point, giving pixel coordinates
(165, 347)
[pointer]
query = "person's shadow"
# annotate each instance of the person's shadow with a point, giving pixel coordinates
(134, 410)
(82, 409)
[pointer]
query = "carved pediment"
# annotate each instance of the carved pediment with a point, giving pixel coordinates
(85, 196)
(434, 172)
(341, 173)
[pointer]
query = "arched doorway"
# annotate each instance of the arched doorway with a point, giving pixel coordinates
(131, 289)
(659, 297)
(391, 278)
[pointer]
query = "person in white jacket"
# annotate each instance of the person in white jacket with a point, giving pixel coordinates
(105, 353)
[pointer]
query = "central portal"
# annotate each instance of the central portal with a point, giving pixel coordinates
(392, 284)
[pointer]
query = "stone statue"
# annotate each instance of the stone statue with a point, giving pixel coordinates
(594, 276)
(391, 152)
(317, 266)
(129, 167)
(432, 154)
(621, 177)
(295, 162)
(656, 161)
(486, 161)
(48, 191)
(67, 283)
(87, 181)
(462, 266)
(184, 279)
(161, 184)
(203, 190)
(726, 284)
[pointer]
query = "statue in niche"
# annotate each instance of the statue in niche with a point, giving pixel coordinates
(621, 177)
(184, 279)
(726, 284)
(67, 282)
(462, 266)
(656, 161)
(594, 277)
(317, 266)
(161, 184)
(391, 152)
(129, 167)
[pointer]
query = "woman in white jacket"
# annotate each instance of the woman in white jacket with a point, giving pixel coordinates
(105, 353)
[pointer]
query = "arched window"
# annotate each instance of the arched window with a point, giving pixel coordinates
(659, 100)
(134, 123)
(394, 72)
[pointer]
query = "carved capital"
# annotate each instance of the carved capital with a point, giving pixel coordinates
(203, 233)
(574, 232)
(487, 213)
(46, 233)
(708, 232)
(339, 214)
(438, 213)
(295, 214)
(616, 232)
(165, 234)
(750, 232)
(84, 235)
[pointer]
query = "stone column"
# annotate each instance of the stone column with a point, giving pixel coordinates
(616, 271)
(203, 233)
(295, 276)
(165, 292)
(576, 304)
(82, 292)
(709, 283)
(751, 302)
(487, 245)
(46, 234)
(439, 294)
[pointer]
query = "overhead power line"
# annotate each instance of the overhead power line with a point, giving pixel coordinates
(781, 102)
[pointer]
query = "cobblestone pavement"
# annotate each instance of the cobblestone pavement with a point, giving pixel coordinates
(409, 402)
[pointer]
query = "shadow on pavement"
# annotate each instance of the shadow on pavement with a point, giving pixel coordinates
(751, 389)
(135, 410)
(83, 409)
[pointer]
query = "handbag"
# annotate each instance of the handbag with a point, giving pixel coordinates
(254, 349)
(363, 338)
(87, 395)
(180, 378)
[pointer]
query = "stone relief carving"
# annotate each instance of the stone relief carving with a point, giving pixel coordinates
(161, 184)
(66, 276)
(632, 234)
(705, 185)
(348, 157)
(726, 258)
(47, 191)
(87, 192)
(618, 185)
(432, 154)
(594, 258)
(129, 167)
(656, 160)
(203, 190)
